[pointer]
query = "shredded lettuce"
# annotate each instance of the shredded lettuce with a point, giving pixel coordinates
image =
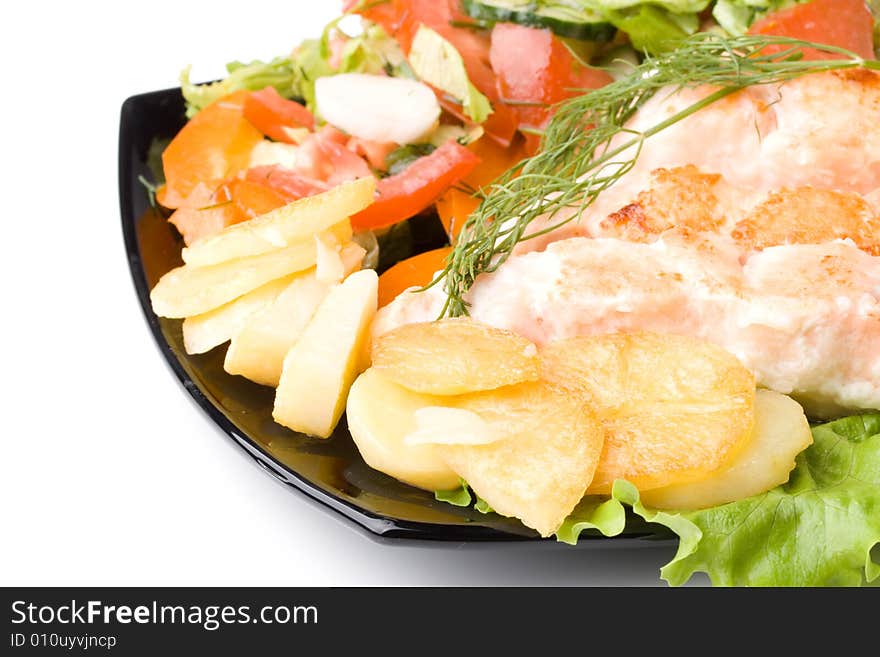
(607, 516)
(373, 51)
(280, 73)
(653, 26)
(401, 158)
(437, 62)
(737, 16)
(819, 529)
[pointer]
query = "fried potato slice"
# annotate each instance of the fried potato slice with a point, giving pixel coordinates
(203, 332)
(285, 226)
(676, 409)
(539, 472)
(320, 368)
(188, 290)
(380, 415)
(781, 433)
(257, 351)
(454, 356)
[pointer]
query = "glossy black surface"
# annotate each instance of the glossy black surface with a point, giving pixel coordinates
(330, 472)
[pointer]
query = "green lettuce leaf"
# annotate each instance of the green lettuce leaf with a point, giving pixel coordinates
(819, 529)
(437, 62)
(280, 73)
(482, 505)
(463, 496)
(675, 6)
(737, 16)
(460, 496)
(608, 516)
(654, 26)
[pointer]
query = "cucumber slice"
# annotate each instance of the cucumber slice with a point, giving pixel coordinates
(564, 17)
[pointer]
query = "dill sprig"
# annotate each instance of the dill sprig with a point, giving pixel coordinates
(585, 148)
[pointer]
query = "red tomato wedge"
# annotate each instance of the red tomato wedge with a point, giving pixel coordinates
(417, 271)
(535, 68)
(207, 210)
(210, 209)
(270, 114)
(401, 18)
(386, 14)
(324, 156)
(375, 152)
(843, 23)
(406, 194)
(214, 145)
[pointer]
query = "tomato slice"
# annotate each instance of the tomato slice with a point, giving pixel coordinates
(323, 156)
(406, 194)
(375, 152)
(536, 70)
(211, 208)
(843, 23)
(387, 14)
(417, 271)
(270, 114)
(207, 210)
(290, 184)
(214, 145)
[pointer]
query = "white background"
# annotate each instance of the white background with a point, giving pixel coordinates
(109, 474)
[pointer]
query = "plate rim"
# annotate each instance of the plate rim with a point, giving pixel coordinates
(375, 525)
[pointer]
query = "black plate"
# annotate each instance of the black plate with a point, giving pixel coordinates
(328, 471)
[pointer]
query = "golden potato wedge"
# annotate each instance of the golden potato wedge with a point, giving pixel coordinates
(320, 368)
(189, 290)
(334, 261)
(781, 433)
(676, 409)
(380, 415)
(257, 351)
(203, 332)
(454, 356)
(539, 472)
(593, 368)
(285, 226)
